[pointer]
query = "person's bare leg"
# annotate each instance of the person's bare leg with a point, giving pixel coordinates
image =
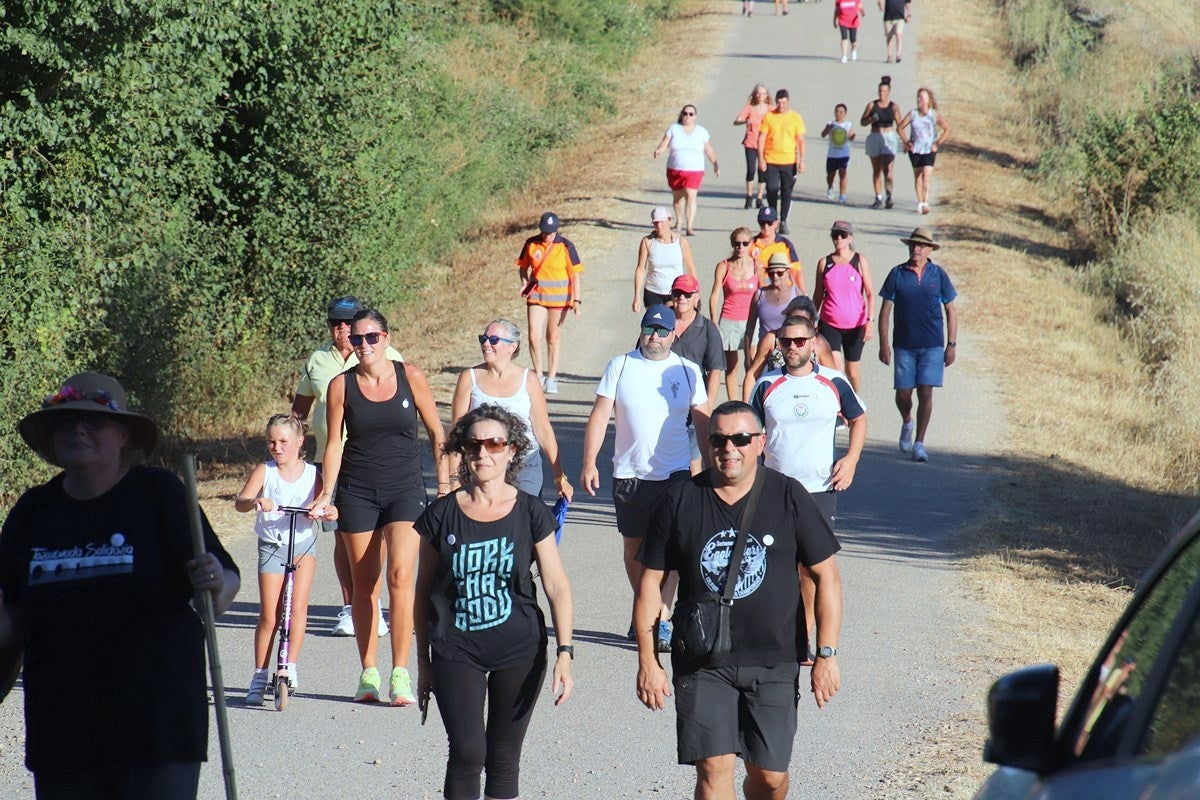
(403, 544)
(301, 588)
(269, 591)
(554, 326)
(854, 374)
(679, 202)
(714, 778)
(363, 552)
(889, 162)
(341, 567)
(899, 44)
(731, 382)
(761, 784)
(877, 174)
(839, 361)
(537, 316)
(927, 176)
(924, 411)
(904, 404)
(690, 195)
(842, 181)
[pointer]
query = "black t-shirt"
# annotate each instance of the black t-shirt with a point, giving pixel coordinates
(693, 530)
(894, 9)
(701, 343)
(483, 605)
(114, 651)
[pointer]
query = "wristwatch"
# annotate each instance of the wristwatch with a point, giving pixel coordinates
(951, 344)
(568, 649)
(826, 652)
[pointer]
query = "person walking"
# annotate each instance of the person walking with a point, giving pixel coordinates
(652, 391)
(768, 243)
(781, 154)
(766, 314)
(920, 292)
(549, 268)
(687, 145)
(663, 255)
(883, 143)
(837, 158)
(498, 381)
(310, 401)
(751, 116)
(801, 404)
(734, 283)
(97, 579)
(698, 340)
(844, 296)
(895, 14)
(927, 130)
(481, 636)
(380, 490)
(847, 14)
(800, 306)
(742, 703)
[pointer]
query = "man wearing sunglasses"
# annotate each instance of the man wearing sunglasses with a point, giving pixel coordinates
(745, 702)
(331, 359)
(698, 340)
(652, 390)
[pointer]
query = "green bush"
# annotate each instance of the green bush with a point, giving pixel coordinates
(184, 184)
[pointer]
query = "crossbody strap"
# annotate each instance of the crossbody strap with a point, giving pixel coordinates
(739, 544)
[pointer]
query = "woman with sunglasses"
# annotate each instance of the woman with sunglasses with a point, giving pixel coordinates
(481, 636)
(734, 285)
(516, 389)
(766, 312)
(380, 491)
(663, 256)
(844, 295)
(687, 145)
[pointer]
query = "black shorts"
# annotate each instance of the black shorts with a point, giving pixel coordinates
(919, 160)
(650, 298)
(750, 711)
(634, 499)
(849, 340)
(364, 508)
(827, 502)
(833, 165)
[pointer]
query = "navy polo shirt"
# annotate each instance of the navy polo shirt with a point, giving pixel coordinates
(918, 305)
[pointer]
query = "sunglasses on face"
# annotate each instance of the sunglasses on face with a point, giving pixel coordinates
(792, 341)
(651, 330)
(333, 323)
(493, 340)
(740, 243)
(91, 422)
(839, 235)
(718, 440)
(372, 338)
(494, 445)
(689, 113)
(681, 293)
(776, 273)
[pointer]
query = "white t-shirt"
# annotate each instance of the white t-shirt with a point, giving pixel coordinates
(686, 151)
(800, 414)
(839, 139)
(652, 400)
(273, 526)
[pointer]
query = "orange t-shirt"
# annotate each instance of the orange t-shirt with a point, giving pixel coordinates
(781, 130)
(551, 266)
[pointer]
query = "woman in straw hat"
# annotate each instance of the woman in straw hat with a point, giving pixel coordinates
(97, 579)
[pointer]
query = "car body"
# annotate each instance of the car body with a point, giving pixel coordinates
(1133, 729)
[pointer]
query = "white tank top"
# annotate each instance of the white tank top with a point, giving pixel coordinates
(518, 404)
(273, 526)
(663, 265)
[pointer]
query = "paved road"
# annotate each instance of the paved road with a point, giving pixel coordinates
(905, 613)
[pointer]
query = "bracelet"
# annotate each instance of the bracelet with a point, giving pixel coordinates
(568, 649)
(577, 300)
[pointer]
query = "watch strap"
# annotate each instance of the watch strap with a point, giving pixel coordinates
(568, 649)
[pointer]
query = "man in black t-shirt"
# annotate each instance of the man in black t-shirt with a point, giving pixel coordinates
(745, 702)
(895, 14)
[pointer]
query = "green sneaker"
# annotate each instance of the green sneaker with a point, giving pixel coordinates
(402, 693)
(368, 686)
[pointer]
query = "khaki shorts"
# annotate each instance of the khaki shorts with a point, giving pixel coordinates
(893, 27)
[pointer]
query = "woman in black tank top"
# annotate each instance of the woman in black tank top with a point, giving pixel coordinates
(380, 492)
(883, 143)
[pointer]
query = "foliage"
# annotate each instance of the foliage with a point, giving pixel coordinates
(184, 184)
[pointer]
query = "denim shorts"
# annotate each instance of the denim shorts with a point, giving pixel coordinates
(920, 367)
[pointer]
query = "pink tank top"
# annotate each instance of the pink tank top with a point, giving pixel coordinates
(738, 294)
(843, 305)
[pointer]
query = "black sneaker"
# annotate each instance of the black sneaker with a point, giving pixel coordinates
(758, 202)
(889, 203)
(878, 202)
(749, 202)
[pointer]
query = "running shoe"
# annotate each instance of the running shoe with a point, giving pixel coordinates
(842, 199)
(345, 623)
(758, 202)
(829, 193)
(258, 688)
(854, 55)
(889, 202)
(368, 686)
(906, 434)
(919, 453)
(664, 637)
(749, 202)
(402, 693)
(783, 227)
(844, 59)
(878, 201)
(293, 676)
(925, 208)
(551, 386)
(383, 626)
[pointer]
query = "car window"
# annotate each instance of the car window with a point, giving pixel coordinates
(1125, 668)
(1176, 719)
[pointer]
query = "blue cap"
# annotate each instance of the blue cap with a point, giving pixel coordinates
(548, 222)
(659, 315)
(767, 214)
(343, 308)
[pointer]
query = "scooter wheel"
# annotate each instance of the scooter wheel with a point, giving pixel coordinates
(281, 693)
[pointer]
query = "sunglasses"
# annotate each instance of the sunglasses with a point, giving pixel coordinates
(372, 338)
(494, 445)
(788, 341)
(689, 113)
(333, 323)
(839, 235)
(91, 422)
(718, 440)
(740, 243)
(681, 293)
(493, 340)
(776, 273)
(650, 330)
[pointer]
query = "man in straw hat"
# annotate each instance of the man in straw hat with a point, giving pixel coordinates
(919, 290)
(97, 578)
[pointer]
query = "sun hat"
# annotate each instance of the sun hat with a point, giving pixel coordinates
(767, 214)
(686, 283)
(548, 223)
(659, 315)
(92, 393)
(778, 260)
(921, 236)
(344, 307)
(842, 226)
(660, 214)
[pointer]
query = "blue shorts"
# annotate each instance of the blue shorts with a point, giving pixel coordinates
(832, 165)
(923, 366)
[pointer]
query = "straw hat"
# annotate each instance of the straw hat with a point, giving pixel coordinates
(91, 393)
(921, 236)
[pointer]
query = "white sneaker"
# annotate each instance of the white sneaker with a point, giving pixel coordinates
(844, 59)
(918, 452)
(345, 623)
(829, 193)
(906, 434)
(925, 209)
(842, 199)
(551, 386)
(854, 55)
(293, 676)
(383, 626)
(258, 688)
(920, 208)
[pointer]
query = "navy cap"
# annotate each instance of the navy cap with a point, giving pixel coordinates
(659, 315)
(344, 307)
(767, 214)
(548, 222)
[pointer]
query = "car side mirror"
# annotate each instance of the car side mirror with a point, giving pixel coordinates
(1021, 709)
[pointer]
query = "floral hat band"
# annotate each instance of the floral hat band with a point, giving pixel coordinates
(70, 394)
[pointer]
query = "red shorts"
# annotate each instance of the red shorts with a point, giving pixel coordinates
(684, 178)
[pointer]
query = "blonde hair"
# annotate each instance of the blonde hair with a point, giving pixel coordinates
(289, 422)
(754, 93)
(932, 99)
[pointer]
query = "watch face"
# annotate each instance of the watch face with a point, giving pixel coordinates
(827, 652)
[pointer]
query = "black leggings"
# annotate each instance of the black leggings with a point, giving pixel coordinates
(780, 180)
(752, 165)
(510, 694)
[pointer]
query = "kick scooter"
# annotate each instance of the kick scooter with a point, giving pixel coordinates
(282, 681)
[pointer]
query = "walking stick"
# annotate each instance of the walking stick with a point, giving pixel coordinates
(204, 600)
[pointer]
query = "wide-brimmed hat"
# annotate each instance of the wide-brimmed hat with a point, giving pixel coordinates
(90, 393)
(921, 236)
